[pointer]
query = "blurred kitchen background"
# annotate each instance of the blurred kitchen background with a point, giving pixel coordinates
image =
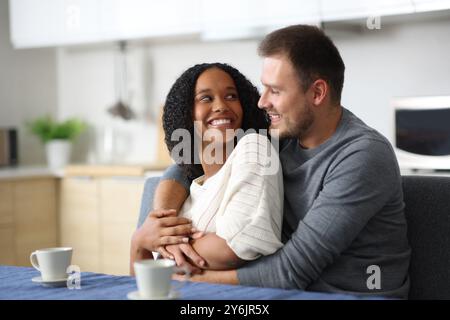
(80, 58)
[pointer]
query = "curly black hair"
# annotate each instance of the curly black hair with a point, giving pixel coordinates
(178, 109)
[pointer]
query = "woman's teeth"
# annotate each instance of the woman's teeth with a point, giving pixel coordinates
(220, 122)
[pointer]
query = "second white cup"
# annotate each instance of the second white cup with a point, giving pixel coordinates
(154, 277)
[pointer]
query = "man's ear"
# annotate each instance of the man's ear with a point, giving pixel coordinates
(320, 90)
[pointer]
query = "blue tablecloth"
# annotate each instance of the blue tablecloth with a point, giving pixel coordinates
(15, 283)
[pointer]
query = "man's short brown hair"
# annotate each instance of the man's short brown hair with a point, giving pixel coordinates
(312, 53)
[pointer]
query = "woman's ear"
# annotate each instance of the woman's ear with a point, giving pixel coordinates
(320, 90)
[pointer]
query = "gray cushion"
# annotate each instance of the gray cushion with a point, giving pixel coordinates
(147, 198)
(427, 201)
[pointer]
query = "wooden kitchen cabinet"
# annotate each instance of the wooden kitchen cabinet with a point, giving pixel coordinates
(79, 223)
(95, 214)
(6, 203)
(98, 215)
(7, 246)
(120, 200)
(28, 218)
(35, 216)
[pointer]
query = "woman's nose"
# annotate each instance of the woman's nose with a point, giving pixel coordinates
(220, 106)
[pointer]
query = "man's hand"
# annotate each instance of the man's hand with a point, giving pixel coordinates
(213, 276)
(186, 257)
(162, 227)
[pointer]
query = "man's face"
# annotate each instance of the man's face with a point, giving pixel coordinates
(289, 108)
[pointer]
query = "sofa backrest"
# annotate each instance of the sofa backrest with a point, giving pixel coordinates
(427, 201)
(147, 199)
(427, 210)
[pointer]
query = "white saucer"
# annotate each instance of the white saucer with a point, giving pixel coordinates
(52, 283)
(136, 296)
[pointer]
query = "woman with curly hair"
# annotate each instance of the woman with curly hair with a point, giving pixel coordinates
(236, 200)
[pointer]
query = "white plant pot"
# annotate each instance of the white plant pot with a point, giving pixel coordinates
(58, 153)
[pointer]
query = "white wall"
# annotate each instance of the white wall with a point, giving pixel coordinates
(27, 89)
(87, 88)
(401, 59)
(410, 59)
(170, 60)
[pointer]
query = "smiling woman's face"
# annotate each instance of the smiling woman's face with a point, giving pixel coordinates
(216, 103)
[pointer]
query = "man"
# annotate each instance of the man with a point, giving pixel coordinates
(344, 228)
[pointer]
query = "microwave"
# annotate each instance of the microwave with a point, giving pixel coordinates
(8, 147)
(422, 132)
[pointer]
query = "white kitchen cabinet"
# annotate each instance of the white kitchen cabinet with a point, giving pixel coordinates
(253, 18)
(332, 10)
(237, 19)
(34, 23)
(55, 22)
(286, 12)
(431, 5)
(65, 22)
(143, 18)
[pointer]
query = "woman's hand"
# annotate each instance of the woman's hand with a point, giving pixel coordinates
(162, 227)
(186, 257)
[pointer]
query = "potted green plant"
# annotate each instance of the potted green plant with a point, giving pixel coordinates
(57, 137)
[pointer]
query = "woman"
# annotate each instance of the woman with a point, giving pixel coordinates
(236, 197)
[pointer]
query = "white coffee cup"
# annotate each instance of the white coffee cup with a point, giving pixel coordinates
(52, 262)
(154, 277)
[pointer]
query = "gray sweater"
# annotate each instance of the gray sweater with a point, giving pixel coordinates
(343, 212)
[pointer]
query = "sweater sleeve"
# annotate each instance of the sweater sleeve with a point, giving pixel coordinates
(251, 217)
(357, 186)
(175, 172)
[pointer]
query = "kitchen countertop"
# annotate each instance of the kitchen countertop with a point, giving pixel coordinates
(118, 170)
(85, 170)
(145, 171)
(29, 172)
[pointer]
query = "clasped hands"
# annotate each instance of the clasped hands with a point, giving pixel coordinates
(164, 232)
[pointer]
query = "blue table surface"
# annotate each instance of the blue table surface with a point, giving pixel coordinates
(16, 284)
